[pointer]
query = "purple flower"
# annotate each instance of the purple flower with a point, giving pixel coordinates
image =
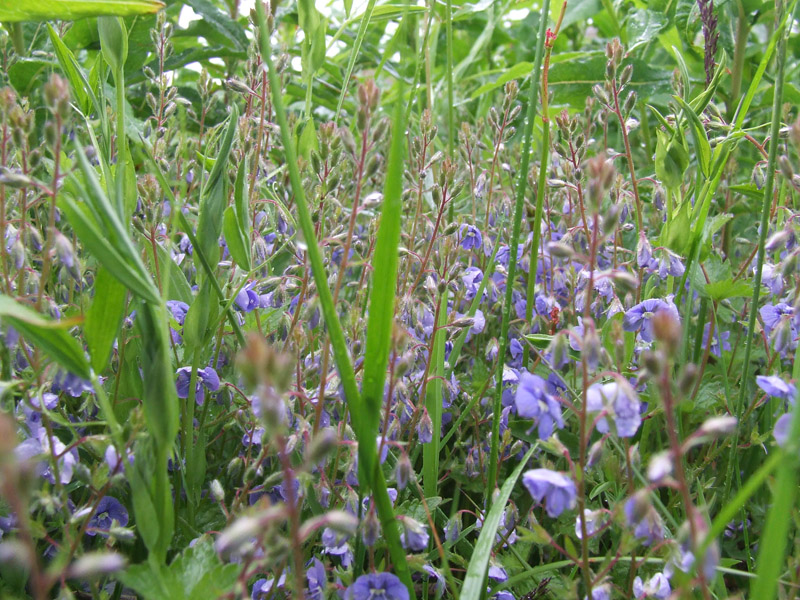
(618, 399)
(657, 587)
(317, 579)
(206, 379)
(556, 489)
(640, 317)
(776, 387)
(264, 589)
(44, 444)
(641, 515)
(533, 402)
(497, 573)
(377, 586)
(471, 237)
(247, 300)
(414, 536)
(781, 430)
(109, 509)
(71, 384)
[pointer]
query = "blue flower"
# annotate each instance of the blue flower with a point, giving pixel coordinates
(618, 399)
(640, 317)
(109, 509)
(317, 579)
(533, 402)
(471, 237)
(640, 514)
(206, 379)
(776, 387)
(71, 384)
(657, 587)
(554, 488)
(414, 536)
(781, 430)
(265, 588)
(377, 586)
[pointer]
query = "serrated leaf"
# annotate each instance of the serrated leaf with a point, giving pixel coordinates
(727, 288)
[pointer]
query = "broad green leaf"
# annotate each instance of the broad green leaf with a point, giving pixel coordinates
(727, 288)
(46, 334)
(24, 73)
(474, 587)
(113, 41)
(71, 10)
(229, 29)
(104, 317)
(672, 159)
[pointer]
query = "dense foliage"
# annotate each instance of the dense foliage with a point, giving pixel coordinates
(463, 300)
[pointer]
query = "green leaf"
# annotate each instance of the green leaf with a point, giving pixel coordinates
(701, 144)
(672, 159)
(24, 73)
(229, 29)
(473, 587)
(727, 288)
(238, 244)
(104, 317)
(46, 334)
(214, 198)
(675, 234)
(113, 41)
(71, 10)
(518, 70)
(77, 80)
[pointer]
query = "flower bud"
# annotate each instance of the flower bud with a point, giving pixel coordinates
(96, 564)
(217, 493)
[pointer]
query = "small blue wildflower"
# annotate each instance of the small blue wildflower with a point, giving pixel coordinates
(556, 489)
(377, 586)
(640, 317)
(109, 509)
(207, 379)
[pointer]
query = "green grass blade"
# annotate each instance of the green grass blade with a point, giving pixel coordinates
(351, 62)
(522, 183)
(358, 411)
(71, 10)
(433, 402)
(772, 545)
(473, 587)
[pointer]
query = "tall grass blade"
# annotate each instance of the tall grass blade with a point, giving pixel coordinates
(522, 183)
(772, 546)
(474, 586)
(359, 413)
(354, 51)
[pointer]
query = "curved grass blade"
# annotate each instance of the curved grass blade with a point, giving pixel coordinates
(70, 10)
(473, 587)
